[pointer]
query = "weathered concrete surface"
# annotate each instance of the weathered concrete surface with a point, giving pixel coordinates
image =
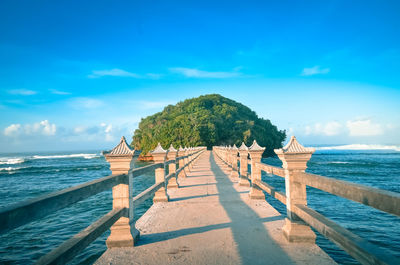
(211, 220)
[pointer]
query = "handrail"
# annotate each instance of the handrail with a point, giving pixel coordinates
(359, 248)
(27, 211)
(70, 248)
(383, 200)
(280, 172)
(271, 191)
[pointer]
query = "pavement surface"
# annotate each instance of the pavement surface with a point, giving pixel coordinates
(211, 220)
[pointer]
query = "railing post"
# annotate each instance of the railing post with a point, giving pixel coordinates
(181, 152)
(186, 159)
(123, 232)
(226, 154)
(234, 153)
(294, 159)
(172, 153)
(159, 156)
(190, 158)
(243, 153)
(256, 152)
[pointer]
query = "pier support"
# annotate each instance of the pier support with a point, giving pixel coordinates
(123, 232)
(294, 159)
(172, 154)
(243, 153)
(256, 152)
(159, 156)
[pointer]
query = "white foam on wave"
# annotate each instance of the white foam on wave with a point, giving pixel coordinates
(86, 156)
(11, 161)
(361, 147)
(11, 168)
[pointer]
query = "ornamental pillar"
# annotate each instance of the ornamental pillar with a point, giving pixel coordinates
(159, 156)
(294, 159)
(243, 153)
(256, 152)
(172, 154)
(123, 232)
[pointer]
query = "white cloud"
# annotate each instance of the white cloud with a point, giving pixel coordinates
(191, 72)
(154, 76)
(122, 73)
(112, 72)
(39, 128)
(86, 103)
(329, 129)
(108, 132)
(58, 92)
(43, 127)
(316, 70)
(22, 92)
(364, 127)
(12, 130)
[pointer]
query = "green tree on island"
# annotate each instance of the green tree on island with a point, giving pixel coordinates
(206, 121)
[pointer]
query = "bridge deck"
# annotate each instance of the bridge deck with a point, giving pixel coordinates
(211, 220)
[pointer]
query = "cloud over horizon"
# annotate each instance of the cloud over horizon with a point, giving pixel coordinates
(122, 73)
(22, 92)
(316, 70)
(196, 73)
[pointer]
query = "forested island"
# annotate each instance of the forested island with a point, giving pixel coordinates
(206, 121)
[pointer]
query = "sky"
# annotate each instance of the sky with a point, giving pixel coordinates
(78, 75)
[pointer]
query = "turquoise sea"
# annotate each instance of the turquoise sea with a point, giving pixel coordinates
(27, 175)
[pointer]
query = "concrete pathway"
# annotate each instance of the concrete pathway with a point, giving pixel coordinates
(211, 220)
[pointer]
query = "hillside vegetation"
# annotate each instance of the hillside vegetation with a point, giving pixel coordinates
(206, 121)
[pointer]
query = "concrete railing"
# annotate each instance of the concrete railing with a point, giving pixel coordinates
(294, 159)
(120, 218)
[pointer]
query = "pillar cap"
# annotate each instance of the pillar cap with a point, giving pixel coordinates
(159, 150)
(171, 149)
(256, 147)
(181, 148)
(234, 147)
(122, 149)
(294, 147)
(243, 147)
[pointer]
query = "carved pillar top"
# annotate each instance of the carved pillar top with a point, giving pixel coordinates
(243, 150)
(256, 151)
(120, 157)
(159, 154)
(294, 156)
(181, 151)
(172, 153)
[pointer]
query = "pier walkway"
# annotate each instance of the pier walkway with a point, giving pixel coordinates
(210, 219)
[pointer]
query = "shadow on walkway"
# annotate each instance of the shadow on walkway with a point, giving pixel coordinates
(254, 244)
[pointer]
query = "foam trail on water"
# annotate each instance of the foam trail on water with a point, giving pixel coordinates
(86, 156)
(11, 168)
(11, 161)
(361, 147)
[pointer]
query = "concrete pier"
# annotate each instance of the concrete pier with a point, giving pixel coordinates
(212, 220)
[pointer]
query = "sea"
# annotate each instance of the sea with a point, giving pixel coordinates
(28, 175)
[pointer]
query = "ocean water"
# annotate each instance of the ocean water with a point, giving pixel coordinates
(27, 175)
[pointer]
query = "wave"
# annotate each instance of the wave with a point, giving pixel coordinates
(361, 147)
(86, 156)
(11, 168)
(11, 161)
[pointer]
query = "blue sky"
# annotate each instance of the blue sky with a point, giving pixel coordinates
(80, 74)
